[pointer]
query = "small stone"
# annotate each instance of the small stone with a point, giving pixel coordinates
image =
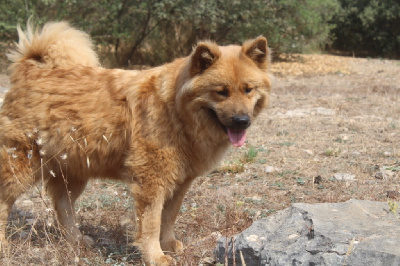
(387, 154)
(256, 198)
(87, 241)
(309, 152)
(271, 169)
(344, 177)
(380, 175)
(252, 238)
(30, 221)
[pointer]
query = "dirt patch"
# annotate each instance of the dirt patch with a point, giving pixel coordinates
(329, 117)
(310, 65)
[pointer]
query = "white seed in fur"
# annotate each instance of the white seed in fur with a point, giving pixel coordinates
(39, 141)
(11, 150)
(30, 154)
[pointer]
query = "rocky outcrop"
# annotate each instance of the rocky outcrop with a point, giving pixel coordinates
(349, 233)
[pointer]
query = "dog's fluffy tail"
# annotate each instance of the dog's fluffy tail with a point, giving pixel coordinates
(56, 45)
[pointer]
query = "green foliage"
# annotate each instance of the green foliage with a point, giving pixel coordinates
(153, 31)
(250, 155)
(368, 27)
(393, 207)
(300, 181)
(291, 26)
(333, 152)
(12, 12)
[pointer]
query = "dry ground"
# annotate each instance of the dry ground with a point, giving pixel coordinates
(329, 116)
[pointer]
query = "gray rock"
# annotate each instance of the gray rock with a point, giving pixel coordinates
(349, 233)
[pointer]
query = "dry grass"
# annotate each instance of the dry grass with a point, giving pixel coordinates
(345, 120)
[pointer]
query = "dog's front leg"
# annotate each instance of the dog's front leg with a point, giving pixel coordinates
(148, 206)
(169, 214)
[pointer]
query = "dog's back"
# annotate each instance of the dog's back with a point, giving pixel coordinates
(58, 96)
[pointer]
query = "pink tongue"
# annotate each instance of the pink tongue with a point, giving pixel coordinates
(237, 137)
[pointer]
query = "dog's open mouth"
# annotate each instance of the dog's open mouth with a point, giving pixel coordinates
(236, 136)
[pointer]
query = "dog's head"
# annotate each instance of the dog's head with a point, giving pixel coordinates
(226, 87)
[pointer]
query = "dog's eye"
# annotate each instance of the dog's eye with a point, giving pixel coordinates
(247, 90)
(224, 92)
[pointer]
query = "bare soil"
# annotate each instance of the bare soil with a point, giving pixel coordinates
(329, 117)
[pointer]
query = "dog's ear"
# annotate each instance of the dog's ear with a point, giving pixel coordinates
(257, 50)
(203, 56)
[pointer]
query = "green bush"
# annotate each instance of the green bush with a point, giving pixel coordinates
(153, 31)
(368, 27)
(292, 26)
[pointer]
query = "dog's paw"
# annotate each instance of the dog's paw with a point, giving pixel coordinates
(172, 245)
(164, 260)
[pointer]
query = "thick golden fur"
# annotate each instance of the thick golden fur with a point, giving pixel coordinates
(66, 119)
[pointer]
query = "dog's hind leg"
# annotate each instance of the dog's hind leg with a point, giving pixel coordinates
(64, 194)
(16, 177)
(169, 214)
(5, 207)
(6, 202)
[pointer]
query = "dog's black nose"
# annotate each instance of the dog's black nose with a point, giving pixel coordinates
(240, 121)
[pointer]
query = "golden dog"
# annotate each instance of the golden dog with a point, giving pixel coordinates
(66, 120)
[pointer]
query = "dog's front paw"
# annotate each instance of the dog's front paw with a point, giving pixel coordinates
(172, 245)
(164, 260)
